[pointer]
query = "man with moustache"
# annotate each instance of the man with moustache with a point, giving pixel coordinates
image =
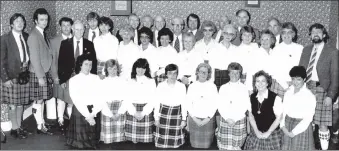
(321, 62)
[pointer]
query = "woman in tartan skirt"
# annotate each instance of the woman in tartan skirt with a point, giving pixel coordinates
(265, 115)
(201, 105)
(113, 129)
(84, 93)
(170, 111)
(15, 61)
(296, 123)
(139, 116)
(233, 103)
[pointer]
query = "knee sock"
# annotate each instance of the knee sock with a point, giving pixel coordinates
(37, 114)
(12, 116)
(69, 110)
(324, 137)
(19, 112)
(42, 113)
(61, 109)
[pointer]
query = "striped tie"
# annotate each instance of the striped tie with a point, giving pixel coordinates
(176, 45)
(310, 65)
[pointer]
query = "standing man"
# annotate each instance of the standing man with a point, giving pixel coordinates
(61, 94)
(93, 30)
(41, 82)
(193, 25)
(159, 23)
(274, 25)
(134, 21)
(223, 20)
(177, 26)
(321, 63)
(243, 19)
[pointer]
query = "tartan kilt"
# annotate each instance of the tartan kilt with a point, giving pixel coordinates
(40, 92)
(323, 114)
(17, 94)
(160, 78)
(101, 67)
(80, 134)
(273, 142)
(169, 134)
(277, 88)
(61, 93)
(201, 137)
(302, 141)
(220, 77)
(112, 131)
(139, 130)
(4, 112)
(231, 137)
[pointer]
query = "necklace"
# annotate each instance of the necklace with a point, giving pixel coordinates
(259, 107)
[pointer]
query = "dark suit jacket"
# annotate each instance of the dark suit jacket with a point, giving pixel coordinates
(66, 61)
(198, 35)
(236, 41)
(41, 55)
(327, 68)
(10, 56)
(55, 44)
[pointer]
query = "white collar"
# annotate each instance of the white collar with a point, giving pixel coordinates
(264, 96)
(40, 30)
(65, 37)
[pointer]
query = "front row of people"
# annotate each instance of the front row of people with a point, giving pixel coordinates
(139, 111)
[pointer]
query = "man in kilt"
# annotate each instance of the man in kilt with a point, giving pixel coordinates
(320, 60)
(14, 62)
(170, 110)
(41, 83)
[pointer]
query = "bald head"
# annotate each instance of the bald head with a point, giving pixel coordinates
(159, 22)
(178, 25)
(78, 29)
(147, 21)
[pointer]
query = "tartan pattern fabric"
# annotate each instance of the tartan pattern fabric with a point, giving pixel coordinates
(201, 137)
(17, 94)
(302, 141)
(231, 137)
(101, 67)
(273, 142)
(220, 77)
(62, 93)
(112, 131)
(139, 130)
(323, 114)
(277, 88)
(41, 92)
(169, 134)
(160, 78)
(80, 134)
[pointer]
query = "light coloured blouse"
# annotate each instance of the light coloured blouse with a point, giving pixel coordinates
(165, 56)
(188, 62)
(127, 55)
(106, 47)
(151, 55)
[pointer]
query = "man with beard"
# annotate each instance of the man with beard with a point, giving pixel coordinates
(321, 62)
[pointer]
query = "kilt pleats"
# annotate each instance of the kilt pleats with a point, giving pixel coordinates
(41, 92)
(323, 114)
(17, 94)
(231, 137)
(273, 142)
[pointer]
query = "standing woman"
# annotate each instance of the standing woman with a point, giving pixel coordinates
(265, 115)
(148, 51)
(170, 110)
(139, 116)
(14, 68)
(113, 129)
(201, 104)
(297, 123)
(84, 94)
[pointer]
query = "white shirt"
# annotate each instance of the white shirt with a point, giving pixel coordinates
(188, 63)
(223, 56)
(202, 99)
(136, 37)
(140, 91)
(127, 55)
(300, 105)
(277, 107)
(171, 95)
(151, 55)
(40, 30)
(320, 47)
(65, 37)
(165, 56)
(106, 47)
(156, 38)
(18, 43)
(181, 47)
(285, 58)
(81, 45)
(233, 101)
(244, 53)
(84, 90)
(277, 40)
(90, 33)
(206, 49)
(217, 37)
(193, 31)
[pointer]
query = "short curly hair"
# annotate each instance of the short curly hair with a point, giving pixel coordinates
(110, 64)
(206, 66)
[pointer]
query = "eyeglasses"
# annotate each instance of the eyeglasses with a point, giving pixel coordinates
(203, 72)
(144, 37)
(228, 34)
(209, 30)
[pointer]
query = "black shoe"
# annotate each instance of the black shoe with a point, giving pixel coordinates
(25, 132)
(44, 131)
(335, 138)
(20, 134)
(14, 133)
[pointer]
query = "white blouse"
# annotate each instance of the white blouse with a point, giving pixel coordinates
(206, 49)
(151, 55)
(165, 56)
(170, 95)
(106, 47)
(127, 55)
(202, 99)
(244, 55)
(277, 107)
(233, 101)
(223, 57)
(300, 105)
(188, 63)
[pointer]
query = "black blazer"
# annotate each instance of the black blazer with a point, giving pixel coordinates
(66, 62)
(10, 56)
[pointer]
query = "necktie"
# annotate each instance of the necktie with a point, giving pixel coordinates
(176, 45)
(77, 51)
(221, 38)
(93, 36)
(45, 37)
(23, 49)
(310, 65)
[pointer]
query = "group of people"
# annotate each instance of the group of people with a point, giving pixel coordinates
(248, 89)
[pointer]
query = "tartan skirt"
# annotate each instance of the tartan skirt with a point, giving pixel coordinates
(80, 134)
(220, 77)
(169, 134)
(17, 94)
(277, 88)
(62, 93)
(302, 141)
(41, 92)
(139, 130)
(323, 114)
(231, 137)
(112, 131)
(201, 137)
(273, 142)
(160, 78)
